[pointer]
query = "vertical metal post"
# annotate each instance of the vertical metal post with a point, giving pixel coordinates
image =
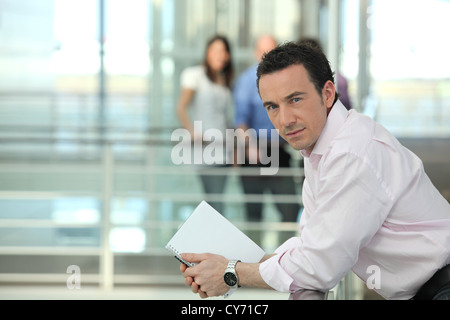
(334, 9)
(310, 19)
(155, 92)
(101, 76)
(107, 259)
(244, 24)
(364, 55)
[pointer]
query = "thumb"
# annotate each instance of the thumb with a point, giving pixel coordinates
(194, 257)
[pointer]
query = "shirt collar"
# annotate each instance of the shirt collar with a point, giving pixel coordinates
(335, 119)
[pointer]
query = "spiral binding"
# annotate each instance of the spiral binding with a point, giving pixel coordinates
(178, 256)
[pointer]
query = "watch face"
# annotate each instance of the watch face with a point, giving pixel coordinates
(230, 279)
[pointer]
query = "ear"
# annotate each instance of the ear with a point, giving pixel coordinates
(328, 94)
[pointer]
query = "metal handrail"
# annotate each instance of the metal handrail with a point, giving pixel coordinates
(107, 166)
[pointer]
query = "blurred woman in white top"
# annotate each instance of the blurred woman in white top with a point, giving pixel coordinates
(206, 89)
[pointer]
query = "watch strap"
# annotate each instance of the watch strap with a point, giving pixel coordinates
(231, 267)
(229, 293)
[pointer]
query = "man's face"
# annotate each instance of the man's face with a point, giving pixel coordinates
(295, 107)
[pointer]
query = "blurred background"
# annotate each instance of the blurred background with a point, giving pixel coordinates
(88, 91)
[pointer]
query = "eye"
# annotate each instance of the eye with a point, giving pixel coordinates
(270, 107)
(295, 100)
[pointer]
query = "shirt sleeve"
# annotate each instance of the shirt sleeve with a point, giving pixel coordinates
(350, 204)
(190, 78)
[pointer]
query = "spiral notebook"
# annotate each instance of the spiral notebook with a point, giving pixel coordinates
(207, 231)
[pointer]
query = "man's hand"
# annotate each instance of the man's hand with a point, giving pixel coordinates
(189, 281)
(206, 277)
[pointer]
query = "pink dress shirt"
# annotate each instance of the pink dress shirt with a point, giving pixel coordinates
(368, 206)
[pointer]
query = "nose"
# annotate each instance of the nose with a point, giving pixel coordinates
(286, 116)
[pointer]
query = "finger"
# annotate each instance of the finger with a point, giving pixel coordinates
(195, 288)
(194, 257)
(188, 281)
(183, 267)
(202, 294)
(190, 272)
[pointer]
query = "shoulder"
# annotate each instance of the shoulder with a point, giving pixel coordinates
(365, 139)
(246, 81)
(356, 133)
(353, 139)
(249, 73)
(192, 75)
(198, 69)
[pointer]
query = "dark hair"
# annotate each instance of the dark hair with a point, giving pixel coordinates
(227, 71)
(312, 42)
(290, 53)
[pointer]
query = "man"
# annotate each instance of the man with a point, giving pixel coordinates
(250, 114)
(368, 204)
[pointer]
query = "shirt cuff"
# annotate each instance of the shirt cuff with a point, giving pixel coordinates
(273, 273)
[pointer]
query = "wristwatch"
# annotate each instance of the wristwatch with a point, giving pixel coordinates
(230, 277)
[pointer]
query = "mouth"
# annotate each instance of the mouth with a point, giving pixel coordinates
(294, 133)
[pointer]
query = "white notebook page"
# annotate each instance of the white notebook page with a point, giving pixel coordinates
(207, 231)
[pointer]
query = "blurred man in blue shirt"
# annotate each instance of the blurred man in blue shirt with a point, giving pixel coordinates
(251, 114)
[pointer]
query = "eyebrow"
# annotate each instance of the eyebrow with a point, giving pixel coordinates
(294, 94)
(288, 97)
